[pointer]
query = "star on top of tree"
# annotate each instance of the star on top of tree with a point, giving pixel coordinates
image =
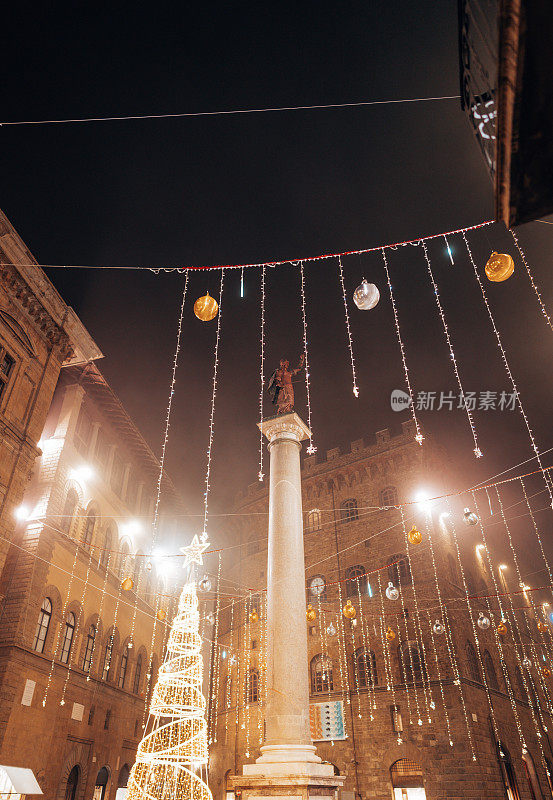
(193, 553)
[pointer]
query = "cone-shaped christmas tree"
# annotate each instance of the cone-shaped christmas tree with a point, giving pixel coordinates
(171, 762)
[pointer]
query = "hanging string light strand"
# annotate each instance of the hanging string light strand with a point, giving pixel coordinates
(311, 448)
(419, 437)
(212, 413)
(534, 286)
(260, 474)
(348, 328)
(477, 452)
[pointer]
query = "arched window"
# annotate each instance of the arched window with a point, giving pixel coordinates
(412, 664)
(43, 623)
(356, 580)
(313, 522)
(469, 580)
(388, 497)
(101, 778)
(88, 530)
(472, 662)
(507, 772)
(137, 673)
(123, 668)
(124, 773)
(348, 510)
(124, 550)
(321, 674)
(490, 670)
(72, 783)
(364, 663)
(107, 659)
(68, 635)
(252, 686)
(531, 777)
(68, 513)
(399, 571)
(407, 775)
(520, 684)
(89, 649)
(105, 552)
(138, 564)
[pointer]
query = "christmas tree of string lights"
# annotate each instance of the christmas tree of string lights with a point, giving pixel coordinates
(171, 762)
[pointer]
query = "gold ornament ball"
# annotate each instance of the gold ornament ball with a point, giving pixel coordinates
(414, 535)
(502, 628)
(390, 635)
(127, 584)
(206, 308)
(542, 627)
(311, 614)
(546, 672)
(499, 267)
(161, 615)
(349, 610)
(253, 616)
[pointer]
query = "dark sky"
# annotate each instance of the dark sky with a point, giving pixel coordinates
(259, 187)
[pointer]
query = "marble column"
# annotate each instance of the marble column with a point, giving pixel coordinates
(287, 750)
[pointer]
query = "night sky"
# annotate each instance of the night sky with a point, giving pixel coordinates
(261, 187)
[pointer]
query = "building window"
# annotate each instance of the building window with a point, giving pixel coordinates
(399, 572)
(397, 721)
(520, 683)
(472, 662)
(317, 587)
(44, 617)
(135, 728)
(68, 635)
(69, 508)
(407, 773)
(88, 531)
(137, 671)
(252, 686)
(123, 668)
(412, 665)
(123, 558)
(117, 474)
(364, 664)
(348, 510)
(102, 449)
(356, 580)
(132, 492)
(105, 552)
(388, 497)
(91, 715)
(313, 522)
(107, 660)
(107, 719)
(507, 772)
(321, 674)
(452, 569)
(83, 432)
(138, 564)
(89, 649)
(490, 670)
(255, 604)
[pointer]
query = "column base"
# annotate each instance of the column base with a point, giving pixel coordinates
(292, 781)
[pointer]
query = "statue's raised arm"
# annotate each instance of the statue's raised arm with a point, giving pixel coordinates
(280, 384)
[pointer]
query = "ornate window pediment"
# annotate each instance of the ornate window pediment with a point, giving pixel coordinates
(18, 331)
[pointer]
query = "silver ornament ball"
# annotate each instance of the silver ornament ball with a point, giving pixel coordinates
(391, 592)
(205, 584)
(483, 622)
(438, 628)
(469, 517)
(366, 296)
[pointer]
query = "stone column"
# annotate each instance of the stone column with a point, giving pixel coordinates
(288, 759)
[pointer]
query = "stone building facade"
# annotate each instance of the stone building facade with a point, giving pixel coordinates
(436, 712)
(39, 334)
(75, 646)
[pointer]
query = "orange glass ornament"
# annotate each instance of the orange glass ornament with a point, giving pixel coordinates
(161, 615)
(311, 614)
(546, 672)
(499, 267)
(127, 584)
(542, 627)
(390, 635)
(414, 535)
(349, 611)
(253, 616)
(502, 628)
(206, 307)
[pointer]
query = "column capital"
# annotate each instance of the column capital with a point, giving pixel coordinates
(285, 426)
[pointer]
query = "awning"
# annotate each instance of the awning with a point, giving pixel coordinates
(17, 780)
